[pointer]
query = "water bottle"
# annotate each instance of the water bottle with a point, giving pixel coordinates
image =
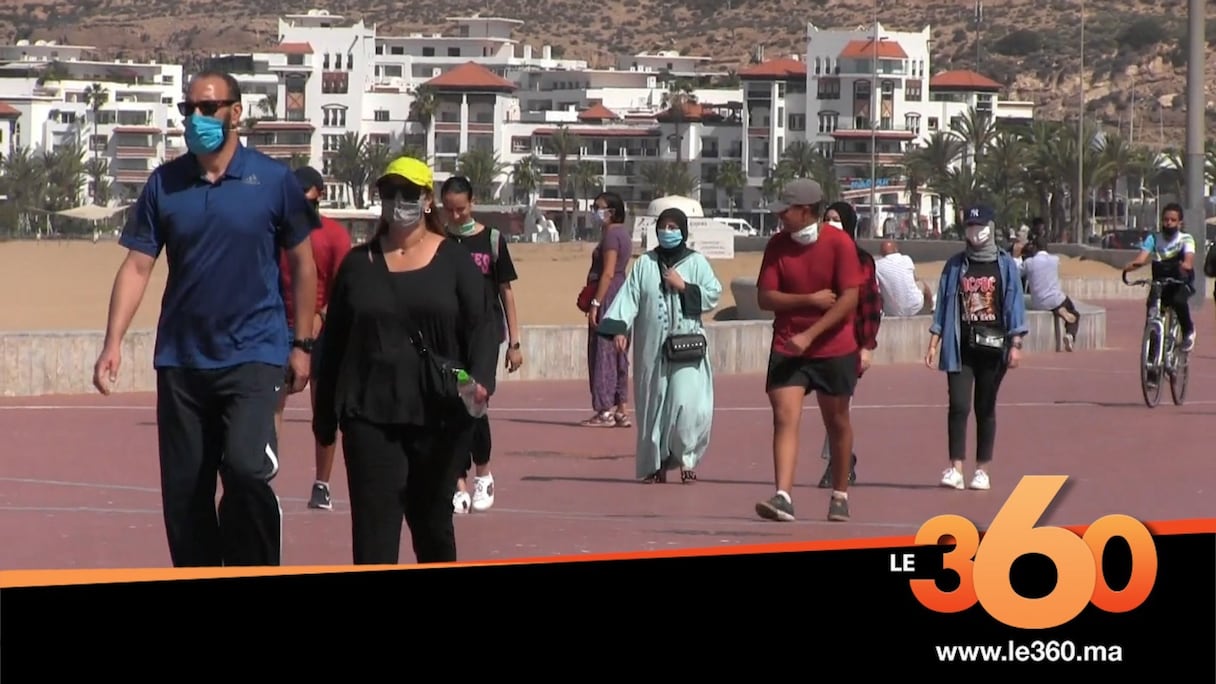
(467, 386)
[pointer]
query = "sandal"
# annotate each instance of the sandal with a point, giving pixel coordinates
(657, 477)
(688, 476)
(622, 420)
(602, 419)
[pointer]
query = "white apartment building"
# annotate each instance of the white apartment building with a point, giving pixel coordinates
(329, 76)
(48, 93)
(859, 125)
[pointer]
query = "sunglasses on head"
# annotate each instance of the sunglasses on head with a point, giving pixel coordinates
(204, 107)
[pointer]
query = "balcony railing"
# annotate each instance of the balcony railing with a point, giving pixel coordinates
(858, 127)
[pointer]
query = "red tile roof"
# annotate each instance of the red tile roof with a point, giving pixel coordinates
(963, 79)
(692, 111)
(137, 130)
(293, 48)
(8, 111)
(602, 132)
(470, 76)
(864, 49)
(597, 112)
(778, 69)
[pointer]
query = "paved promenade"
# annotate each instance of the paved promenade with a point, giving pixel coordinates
(78, 475)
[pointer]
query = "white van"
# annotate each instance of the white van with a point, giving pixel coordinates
(742, 228)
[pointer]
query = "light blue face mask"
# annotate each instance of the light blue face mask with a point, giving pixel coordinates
(204, 134)
(670, 238)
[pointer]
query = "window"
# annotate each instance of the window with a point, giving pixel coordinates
(428, 52)
(829, 89)
(381, 115)
(933, 123)
(912, 91)
(330, 143)
(797, 122)
(334, 117)
(828, 122)
(295, 60)
(399, 50)
(912, 123)
(379, 49)
(453, 52)
(325, 62)
(888, 87)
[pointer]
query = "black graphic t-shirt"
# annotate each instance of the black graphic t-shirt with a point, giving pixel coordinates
(496, 274)
(982, 296)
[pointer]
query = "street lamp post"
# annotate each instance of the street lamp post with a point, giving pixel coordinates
(1079, 195)
(1195, 101)
(873, 130)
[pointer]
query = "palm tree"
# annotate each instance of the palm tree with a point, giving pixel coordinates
(423, 108)
(96, 97)
(586, 180)
(804, 160)
(482, 168)
(565, 144)
(670, 178)
(678, 96)
(349, 165)
(97, 169)
(526, 178)
(731, 180)
(268, 107)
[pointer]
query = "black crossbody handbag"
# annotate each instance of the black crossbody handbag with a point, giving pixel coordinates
(436, 373)
(686, 347)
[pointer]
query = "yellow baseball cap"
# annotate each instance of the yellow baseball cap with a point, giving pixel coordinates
(410, 169)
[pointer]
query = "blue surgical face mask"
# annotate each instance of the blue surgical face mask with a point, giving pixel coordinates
(670, 238)
(204, 134)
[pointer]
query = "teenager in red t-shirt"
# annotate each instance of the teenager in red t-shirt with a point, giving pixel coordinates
(330, 245)
(810, 277)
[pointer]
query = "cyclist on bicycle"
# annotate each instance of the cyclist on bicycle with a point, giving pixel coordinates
(1173, 255)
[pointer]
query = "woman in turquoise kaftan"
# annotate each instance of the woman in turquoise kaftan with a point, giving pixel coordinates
(666, 292)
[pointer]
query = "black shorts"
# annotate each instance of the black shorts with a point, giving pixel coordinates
(833, 377)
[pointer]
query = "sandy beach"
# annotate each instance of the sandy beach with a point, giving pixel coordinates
(66, 285)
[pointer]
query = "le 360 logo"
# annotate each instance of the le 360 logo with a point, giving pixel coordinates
(983, 567)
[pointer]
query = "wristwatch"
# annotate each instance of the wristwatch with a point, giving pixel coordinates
(514, 345)
(304, 344)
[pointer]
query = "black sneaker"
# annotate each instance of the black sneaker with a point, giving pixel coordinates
(825, 482)
(838, 510)
(776, 508)
(320, 497)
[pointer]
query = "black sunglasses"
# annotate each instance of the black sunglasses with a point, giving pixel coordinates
(205, 107)
(406, 192)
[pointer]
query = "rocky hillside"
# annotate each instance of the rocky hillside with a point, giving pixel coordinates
(1033, 46)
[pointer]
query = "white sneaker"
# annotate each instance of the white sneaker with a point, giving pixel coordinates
(461, 503)
(1068, 342)
(952, 478)
(979, 480)
(483, 493)
(1188, 343)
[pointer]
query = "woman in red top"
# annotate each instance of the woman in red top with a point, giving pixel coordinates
(865, 326)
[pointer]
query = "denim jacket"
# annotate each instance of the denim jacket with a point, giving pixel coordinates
(946, 315)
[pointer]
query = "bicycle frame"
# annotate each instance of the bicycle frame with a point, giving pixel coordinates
(1159, 324)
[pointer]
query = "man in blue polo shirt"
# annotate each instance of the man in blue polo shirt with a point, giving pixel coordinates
(221, 214)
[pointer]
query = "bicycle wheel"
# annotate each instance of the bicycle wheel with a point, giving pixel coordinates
(1180, 372)
(1150, 370)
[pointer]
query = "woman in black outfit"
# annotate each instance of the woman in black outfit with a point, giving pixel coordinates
(403, 450)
